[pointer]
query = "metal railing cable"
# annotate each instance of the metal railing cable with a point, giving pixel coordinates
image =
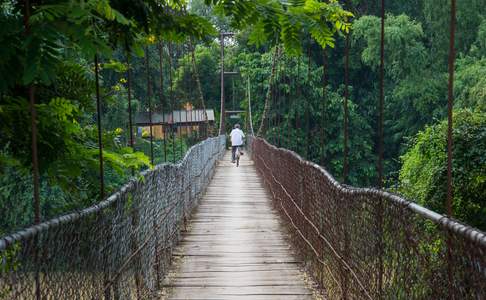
(119, 248)
(387, 247)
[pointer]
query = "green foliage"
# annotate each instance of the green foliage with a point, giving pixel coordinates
(300, 100)
(423, 175)
(470, 83)
(404, 47)
(411, 102)
(287, 22)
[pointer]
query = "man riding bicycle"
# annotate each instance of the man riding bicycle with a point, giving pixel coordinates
(237, 136)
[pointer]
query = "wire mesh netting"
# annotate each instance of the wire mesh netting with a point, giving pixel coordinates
(119, 248)
(367, 243)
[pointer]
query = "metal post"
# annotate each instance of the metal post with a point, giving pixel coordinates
(381, 150)
(180, 113)
(346, 96)
(222, 111)
(450, 102)
(33, 124)
(35, 159)
(149, 100)
(161, 96)
(382, 97)
(171, 91)
(299, 94)
(279, 107)
(323, 107)
(307, 105)
(249, 106)
(129, 96)
(100, 141)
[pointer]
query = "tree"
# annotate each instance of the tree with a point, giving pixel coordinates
(423, 174)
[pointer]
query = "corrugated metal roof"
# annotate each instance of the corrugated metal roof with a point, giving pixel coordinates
(175, 117)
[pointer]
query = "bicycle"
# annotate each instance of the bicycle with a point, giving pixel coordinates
(237, 156)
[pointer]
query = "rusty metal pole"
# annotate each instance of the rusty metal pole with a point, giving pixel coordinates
(222, 111)
(307, 105)
(323, 107)
(345, 276)
(381, 150)
(149, 100)
(345, 107)
(35, 158)
(382, 97)
(161, 95)
(129, 96)
(100, 136)
(450, 102)
(33, 124)
(171, 91)
(179, 128)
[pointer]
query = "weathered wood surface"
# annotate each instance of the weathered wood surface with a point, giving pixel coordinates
(235, 248)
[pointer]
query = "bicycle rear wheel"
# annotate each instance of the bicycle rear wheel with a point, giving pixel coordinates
(237, 157)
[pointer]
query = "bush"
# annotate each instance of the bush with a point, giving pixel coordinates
(423, 175)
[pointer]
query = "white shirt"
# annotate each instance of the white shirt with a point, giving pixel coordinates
(237, 137)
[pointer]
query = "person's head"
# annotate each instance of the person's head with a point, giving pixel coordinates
(237, 126)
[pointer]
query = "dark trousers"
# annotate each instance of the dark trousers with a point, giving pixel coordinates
(233, 152)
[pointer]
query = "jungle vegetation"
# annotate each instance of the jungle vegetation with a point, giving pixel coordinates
(294, 49)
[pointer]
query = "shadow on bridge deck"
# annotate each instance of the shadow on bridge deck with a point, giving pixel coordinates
(235, 248)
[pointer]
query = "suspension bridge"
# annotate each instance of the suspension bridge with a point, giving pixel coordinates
(278, 227)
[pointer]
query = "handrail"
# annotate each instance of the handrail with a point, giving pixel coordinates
(116, 248)
(366, 239)
(32, 230)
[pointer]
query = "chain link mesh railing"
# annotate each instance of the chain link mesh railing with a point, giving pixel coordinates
(117, 249)
(366, 243)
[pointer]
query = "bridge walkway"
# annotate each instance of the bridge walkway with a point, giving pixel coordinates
(235, 247)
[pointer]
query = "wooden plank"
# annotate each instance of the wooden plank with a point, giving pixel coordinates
(235, 248)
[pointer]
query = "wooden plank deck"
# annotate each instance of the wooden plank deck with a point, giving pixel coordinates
(236, 248)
